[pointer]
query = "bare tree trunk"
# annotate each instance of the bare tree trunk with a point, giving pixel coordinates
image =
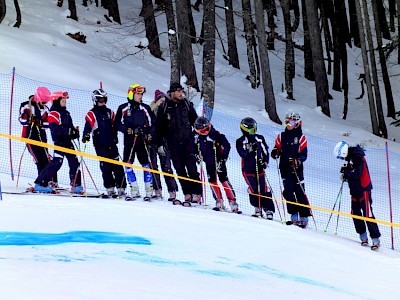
(398, 27)
(327, 32)
(269, 97)
(378, 99)
(308, 64)
(185, 45)
(113, 11)
(249, 32)
(289, 52)
(391, 111)
(233, 56)
(85, 3)
(392, 14)
(371, 102)
(60, 3)
(270, 7)
(147, 13)
(321, 80)
(173, 42)
(354, 23)
(208, 78)
(3, 10)
(72, 9)
(191, 23)
(18, 11)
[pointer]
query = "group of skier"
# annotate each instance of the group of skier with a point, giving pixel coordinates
(171, 129)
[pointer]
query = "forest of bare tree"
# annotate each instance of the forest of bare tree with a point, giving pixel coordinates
(328, 28)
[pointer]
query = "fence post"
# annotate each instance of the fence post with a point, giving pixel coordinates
(390, 194)
(9, 127)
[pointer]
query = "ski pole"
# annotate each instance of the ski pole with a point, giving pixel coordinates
(305, 195)
(80, 163)
(280, 187)
(258, 184)
(337, 220)
(22, 155)
(334, 205)
(272, 192)
(130, 156)
(151, 164)
(202, 176)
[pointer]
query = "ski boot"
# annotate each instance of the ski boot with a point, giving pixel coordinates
(364, 239)
(303, 222)
(78, 190)
(269, 215)
(219, 205)
(172, 196)
(234, 207)
(196, 198)
(257, 213)
(376, 243)
(43, 189)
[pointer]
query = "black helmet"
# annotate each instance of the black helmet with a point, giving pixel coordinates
(99, 94)
(248, 126)
(202, 126)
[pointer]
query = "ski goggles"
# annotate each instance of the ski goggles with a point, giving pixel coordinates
(203, 131)
(290, 122)
(137, 90)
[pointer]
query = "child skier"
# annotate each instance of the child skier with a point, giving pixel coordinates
(63, 132)
(291, 147)
(100, 122)
(136, 121)
(357, 175)
(213, 149)
(33, 118)
(253, 150)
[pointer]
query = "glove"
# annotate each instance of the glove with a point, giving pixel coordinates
(344, 169)
(262, 163)
(86, 138)
(74, 133)
(343, 177)
(161, 151)
(251, 147)
(26, 114)
(149, 137)
(219, 165)
(199, 158)
(36, 121)
(294, 162)
(129, 131)
(275, 153)
(138, 131)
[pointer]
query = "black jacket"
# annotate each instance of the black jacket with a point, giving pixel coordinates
(100, 122)
(213, 146)
(249, 157)
(175, 120)
(134, 115)
(61, 126)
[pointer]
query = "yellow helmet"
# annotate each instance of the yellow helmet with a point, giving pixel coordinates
(135, 88)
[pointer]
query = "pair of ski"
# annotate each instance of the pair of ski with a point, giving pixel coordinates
(146, 199)
(56, 192)
(239, 212)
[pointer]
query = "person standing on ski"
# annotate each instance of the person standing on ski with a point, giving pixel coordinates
(291, 148)
(33, 118)
(253, 150)
(165, 160)
(63, 132)
(100, 123)
(135, 120)
(175, 119)
(356, 173)
(213, 149)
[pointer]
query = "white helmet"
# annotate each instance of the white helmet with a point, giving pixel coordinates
(341, 150)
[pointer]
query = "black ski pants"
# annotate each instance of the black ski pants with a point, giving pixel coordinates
(113, 174)
(166, 167)
(266, 201)
(50, 171)
(182, 155)
(363, 207)
(293, 191)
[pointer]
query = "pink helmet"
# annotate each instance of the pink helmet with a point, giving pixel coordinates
(42, 95)
(58, 95)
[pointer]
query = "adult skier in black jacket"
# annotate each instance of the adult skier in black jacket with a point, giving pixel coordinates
(175, 120)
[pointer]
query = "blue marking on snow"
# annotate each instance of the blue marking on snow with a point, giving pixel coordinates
(46, 239)
(219, 273)
(146, 258)
(280, 274)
